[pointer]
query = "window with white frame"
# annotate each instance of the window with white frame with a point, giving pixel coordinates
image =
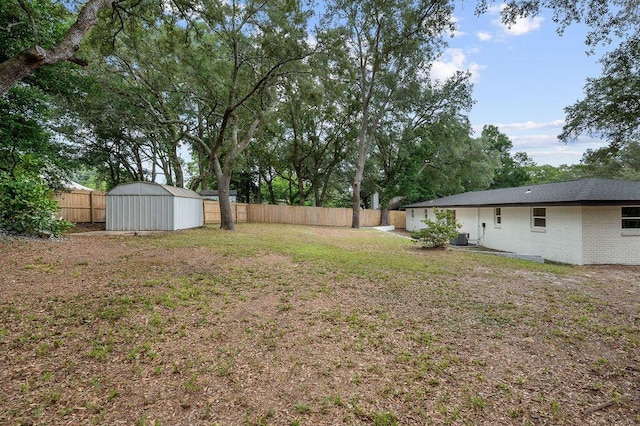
(412, 213)
(631, 217)
(497, 217)
(539, 217)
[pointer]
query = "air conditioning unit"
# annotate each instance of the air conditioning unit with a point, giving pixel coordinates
(460, 240)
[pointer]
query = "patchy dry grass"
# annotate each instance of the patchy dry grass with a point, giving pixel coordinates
(309, 326)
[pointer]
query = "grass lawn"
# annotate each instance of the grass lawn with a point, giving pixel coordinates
(291, 325)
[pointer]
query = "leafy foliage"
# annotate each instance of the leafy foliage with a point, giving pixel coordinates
(388, 45)
(239, 87)
(29, 112)
(446, 160)
(438, 232)
(30, 22)
(26, 207)
(611, 107)
(423, 147)
(208, 86)
(27, 146)
(613, 162)
(511, 171)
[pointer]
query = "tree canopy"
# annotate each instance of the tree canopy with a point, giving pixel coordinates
(38, 34)
(611, 107)
(388, 45)
(251, 96)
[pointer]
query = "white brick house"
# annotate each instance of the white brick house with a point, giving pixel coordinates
(588, 221)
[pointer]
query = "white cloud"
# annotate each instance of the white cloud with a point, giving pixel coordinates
(496, 9)
(534, 142)
(539, 139)
(484, 36)
(453, 60)
(530, 125)
(520, 27)
(547, 149)
(475, 69)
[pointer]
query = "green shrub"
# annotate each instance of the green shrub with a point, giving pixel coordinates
(26, 207)
(438, 233)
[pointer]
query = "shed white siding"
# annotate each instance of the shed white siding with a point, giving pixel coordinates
(145, 206)
(139, 213)
(188, 213)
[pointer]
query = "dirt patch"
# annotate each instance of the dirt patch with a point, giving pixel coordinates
(87, 227)
(288, 326)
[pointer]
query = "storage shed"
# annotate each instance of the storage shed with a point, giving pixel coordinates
(147, 206)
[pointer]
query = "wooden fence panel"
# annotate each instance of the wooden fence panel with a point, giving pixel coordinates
(370, 218)
(90, 206)
(82, 206)
(319, 216)
(241, 213)
(398, 219)
(212, 212)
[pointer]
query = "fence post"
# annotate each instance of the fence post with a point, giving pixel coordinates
(91, 215)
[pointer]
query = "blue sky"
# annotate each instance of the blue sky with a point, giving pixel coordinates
(523, 77)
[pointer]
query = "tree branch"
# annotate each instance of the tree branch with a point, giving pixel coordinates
(20, 65)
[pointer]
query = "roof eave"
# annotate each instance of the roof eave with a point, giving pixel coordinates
(528, 204)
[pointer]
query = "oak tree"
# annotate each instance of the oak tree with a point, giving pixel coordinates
(386, 41)
(30, 20)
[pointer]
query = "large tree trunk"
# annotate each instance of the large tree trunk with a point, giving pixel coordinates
(300, 186)
(177, 167)
(363, 151)
(224, 180)
(226, 215)
(20, 65)
(384, 216)
(355, 219)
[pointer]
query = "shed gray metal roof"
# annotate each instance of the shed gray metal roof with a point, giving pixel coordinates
(590, 191)
(152, 188)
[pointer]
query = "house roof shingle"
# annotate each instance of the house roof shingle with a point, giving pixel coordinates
(591, 191)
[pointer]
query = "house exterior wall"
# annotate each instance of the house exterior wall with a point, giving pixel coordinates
(415, 218)
(560, 240)
(469, 219)
(604, 240)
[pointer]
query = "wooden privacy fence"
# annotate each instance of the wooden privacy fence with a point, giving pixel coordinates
(212, 212)
(90, 206)
(323, 216)
(82, 206)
